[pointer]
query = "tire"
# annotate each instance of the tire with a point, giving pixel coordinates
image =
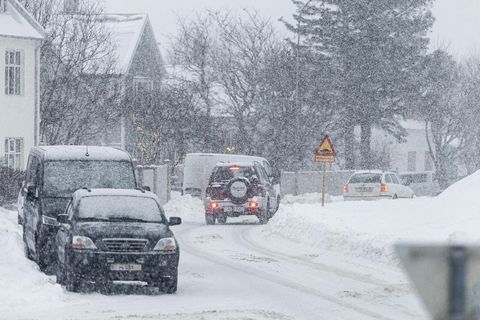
(41, 258)
(209, 219)
(263, 217)
(395, 197)
(72, 283)
(222, 219)
(26, 249)
(169, 286)
(61, 274)
(19, 220)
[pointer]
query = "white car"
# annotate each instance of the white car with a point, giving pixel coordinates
(374, 185)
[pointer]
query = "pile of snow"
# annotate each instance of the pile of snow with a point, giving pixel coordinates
(315, 197)
(370, 229)
(24, 282)
(188, 208)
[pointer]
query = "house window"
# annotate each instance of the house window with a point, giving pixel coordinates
(412, 161)
(14, 153)
(13, 72)
(428, 161)
(142, 84)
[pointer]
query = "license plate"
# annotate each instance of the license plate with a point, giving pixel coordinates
(363, 189)
(227, 209)
(238, 209)
(126, 267)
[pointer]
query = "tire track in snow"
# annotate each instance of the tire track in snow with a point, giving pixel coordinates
(198, 252)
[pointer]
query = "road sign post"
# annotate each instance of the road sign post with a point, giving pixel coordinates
(447, 278)
(324, 154)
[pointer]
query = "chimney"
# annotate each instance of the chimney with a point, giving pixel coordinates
(70, 6)
(3, 6)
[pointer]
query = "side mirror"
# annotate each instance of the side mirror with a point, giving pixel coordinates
(175, 221)
(147, 188)
(62, 218)
(31, 193)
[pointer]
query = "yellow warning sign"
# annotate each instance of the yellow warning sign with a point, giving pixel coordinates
(325, 152)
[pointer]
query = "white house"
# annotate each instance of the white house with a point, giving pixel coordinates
(20, 40)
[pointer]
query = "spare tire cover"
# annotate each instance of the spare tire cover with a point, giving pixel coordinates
(238, 189)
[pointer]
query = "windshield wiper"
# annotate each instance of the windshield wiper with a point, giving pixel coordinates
(93, 219)
(129, 219)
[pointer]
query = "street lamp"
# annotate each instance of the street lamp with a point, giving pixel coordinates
(297, 76)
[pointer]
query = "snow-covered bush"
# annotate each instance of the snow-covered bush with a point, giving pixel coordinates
(10, 182)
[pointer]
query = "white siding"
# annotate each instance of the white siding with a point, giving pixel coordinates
(17, 113)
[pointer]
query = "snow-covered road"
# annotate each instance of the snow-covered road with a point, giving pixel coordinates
(236, 271)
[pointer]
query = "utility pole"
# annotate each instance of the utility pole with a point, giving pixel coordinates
(297, 57)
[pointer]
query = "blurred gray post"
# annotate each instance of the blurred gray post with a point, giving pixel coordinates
(457, 288)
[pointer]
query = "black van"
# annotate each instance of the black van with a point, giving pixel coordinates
(54, 173)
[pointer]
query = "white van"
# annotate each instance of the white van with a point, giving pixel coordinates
(198, 168)
(423, 182)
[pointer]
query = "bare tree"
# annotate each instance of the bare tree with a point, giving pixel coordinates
(79, 93)
(192, 54)
(239, 61)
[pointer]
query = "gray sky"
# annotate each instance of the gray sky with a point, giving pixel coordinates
(457, 21)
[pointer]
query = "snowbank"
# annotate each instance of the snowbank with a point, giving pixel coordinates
(369, 229)
(188, 208)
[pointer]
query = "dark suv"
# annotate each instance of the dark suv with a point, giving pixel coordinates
(109, 234)
(236, 189)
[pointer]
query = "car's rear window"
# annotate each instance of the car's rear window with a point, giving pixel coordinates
(119, 207)
(222, 174)
(366, 178)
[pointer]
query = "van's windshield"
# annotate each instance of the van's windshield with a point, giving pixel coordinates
(62, 178)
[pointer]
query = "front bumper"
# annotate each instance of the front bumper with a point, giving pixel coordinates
(97, 266)
(231, 209)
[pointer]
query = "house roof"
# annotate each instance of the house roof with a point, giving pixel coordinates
(18, 23)
(126, 31)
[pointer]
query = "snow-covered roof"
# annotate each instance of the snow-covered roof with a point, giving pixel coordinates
(126, 31)
(80, 153)
(18, 23)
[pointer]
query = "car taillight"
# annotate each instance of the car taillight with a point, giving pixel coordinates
(345, 188)
(213, 205)
(253, 205)
(383, 187)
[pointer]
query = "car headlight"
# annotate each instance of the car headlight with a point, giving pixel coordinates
(166, 245)
(83, 243)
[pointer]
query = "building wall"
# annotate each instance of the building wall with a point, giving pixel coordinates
(18, 113)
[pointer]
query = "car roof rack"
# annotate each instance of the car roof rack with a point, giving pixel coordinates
(141, 189)
(86, 188)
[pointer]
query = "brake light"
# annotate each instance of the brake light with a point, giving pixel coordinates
(253, 205)
(345, 188)
(213, 205)
(383, 187)
(234, 168)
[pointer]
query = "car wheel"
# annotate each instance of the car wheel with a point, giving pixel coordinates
(170, 285)
(41, 257)
(19, 220)
(72, 283)
(395, 197)
(222, 219)
(209, 219)
(26, 249)
(264, 215)
(61, 274)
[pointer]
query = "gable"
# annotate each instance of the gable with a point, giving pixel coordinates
(16, 22)
(147, 60)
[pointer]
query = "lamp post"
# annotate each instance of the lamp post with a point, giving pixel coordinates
(297, 68)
